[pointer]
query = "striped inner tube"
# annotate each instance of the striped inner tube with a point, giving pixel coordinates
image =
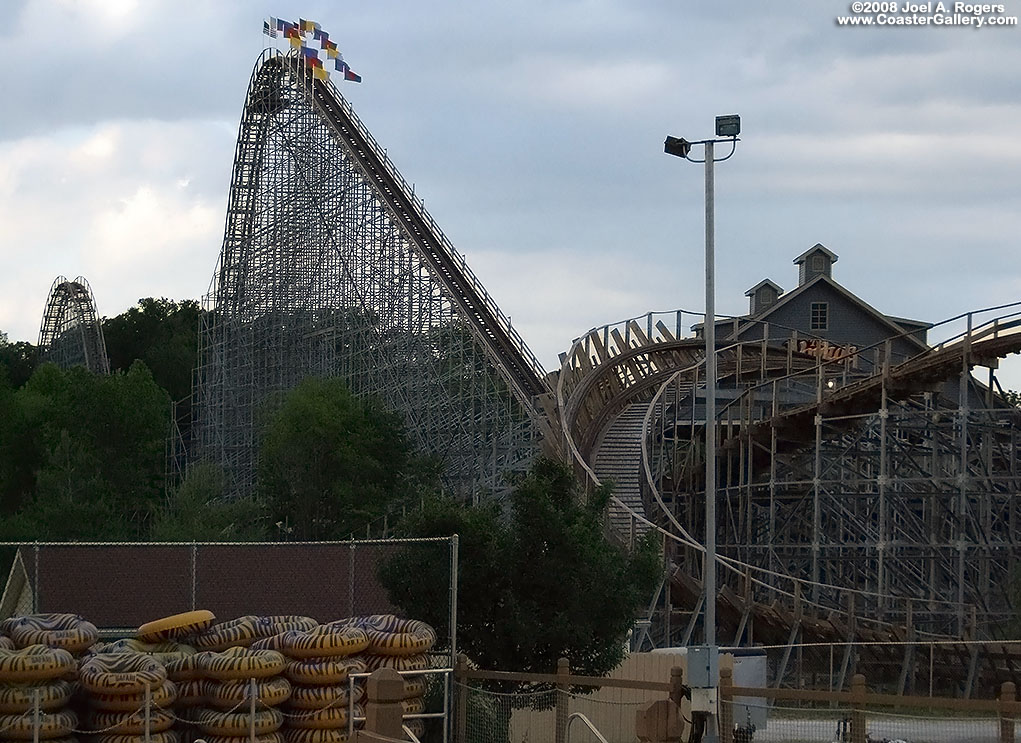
(69, 632)
(131, 723)
(322, 671)
(241, 663)
(325, 641)
(175, 626)
(265, 721)
(162, 696)
(317, 697)
(120, 673)
(238, 632)
(51, 725)
(278, 624)
(228, 694)
(18, 698)
(35, 663)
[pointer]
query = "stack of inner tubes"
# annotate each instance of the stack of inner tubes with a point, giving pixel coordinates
(401, 644)
(187, 668)
(318, 666)
(36, 683)
(230, 677)
(178, 660)
(129, 695)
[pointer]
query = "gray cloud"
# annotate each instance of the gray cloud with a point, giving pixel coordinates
(534, 131)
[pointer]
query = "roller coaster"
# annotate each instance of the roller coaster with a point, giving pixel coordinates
(71, 333)
(865, 499)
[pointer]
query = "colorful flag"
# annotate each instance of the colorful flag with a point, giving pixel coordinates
(295, 33)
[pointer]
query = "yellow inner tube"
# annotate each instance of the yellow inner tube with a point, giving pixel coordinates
(192, 693)
(391, 635)
(35, 663)
(324, 641)
(18, 698)
(238, 632)
(318, 697)
(239, 723)
(51, 725)
(276, 625)
(162, 696)
(164, 652)
(322, 671)
(241, 663)
(175, 626)
(227, 694)
(329, 718)
(68, 632)
(131, 723)
(121, 673)
(397, 662)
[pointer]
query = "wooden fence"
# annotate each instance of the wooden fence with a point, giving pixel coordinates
(861, 704)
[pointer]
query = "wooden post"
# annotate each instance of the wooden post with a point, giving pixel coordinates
(461, 699)
(384, 713)
(858, 708)
(563, 700)
(726, 704)
(677, 685)
(1006, 712)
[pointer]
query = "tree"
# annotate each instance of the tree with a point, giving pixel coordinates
(330, 463)
(536, 584)
(84, 454)
(197, 511)
(18, 359)
(163, 334)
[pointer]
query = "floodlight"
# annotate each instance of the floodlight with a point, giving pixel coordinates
(677, 146)
(728, 126)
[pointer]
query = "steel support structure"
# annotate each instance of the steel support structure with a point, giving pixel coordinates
(331, 267)
(902, 504)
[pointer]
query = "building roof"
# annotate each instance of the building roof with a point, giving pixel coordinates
(895, 329)
(764, 282)
(817, 247)
(126, 585)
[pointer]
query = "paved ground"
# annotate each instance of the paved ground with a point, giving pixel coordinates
(899, 728)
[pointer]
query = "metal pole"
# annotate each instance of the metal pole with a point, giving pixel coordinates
(453, 599)
(710, 404)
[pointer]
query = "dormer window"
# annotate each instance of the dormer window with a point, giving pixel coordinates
(816, 261)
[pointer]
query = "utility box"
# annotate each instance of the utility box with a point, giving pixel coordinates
(749, 670)
(703, 667)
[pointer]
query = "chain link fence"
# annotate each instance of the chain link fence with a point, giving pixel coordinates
(788, 722)
(118, 586)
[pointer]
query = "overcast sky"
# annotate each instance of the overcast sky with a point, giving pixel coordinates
(534, 130)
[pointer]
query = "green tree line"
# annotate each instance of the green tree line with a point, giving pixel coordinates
(83, 457)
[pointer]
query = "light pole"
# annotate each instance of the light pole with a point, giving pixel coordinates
(706, 661)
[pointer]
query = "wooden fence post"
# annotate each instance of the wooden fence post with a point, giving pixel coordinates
(726, 704)
(563, 700)
(858, 709)
(461, 699)
(676, 685)
(1006, 712)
